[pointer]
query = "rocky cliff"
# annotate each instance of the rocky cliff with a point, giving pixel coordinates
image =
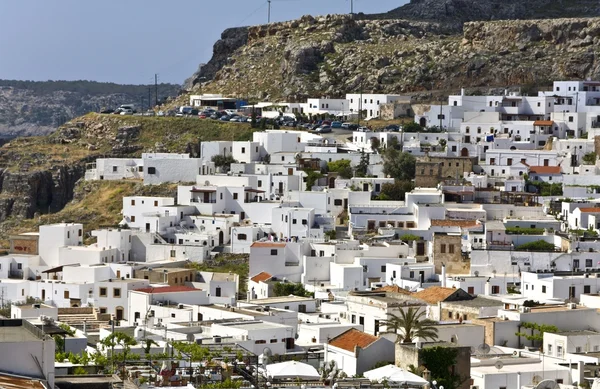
(38, 175)
(334, 55)
(38, 108)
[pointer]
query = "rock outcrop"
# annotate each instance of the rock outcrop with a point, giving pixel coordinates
(334, 55)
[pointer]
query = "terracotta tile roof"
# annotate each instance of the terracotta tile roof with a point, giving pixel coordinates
(351, 338)
(267, 244)
(393, 289)
(453, 223)
(262, 276)
(167, 289)
(435, 294)
(591, 210)
(545, 169)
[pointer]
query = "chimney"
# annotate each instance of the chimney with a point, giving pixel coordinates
(462, 91)
(487, 288)
(443, 275)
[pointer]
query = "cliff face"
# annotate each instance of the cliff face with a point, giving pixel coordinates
(335, 55)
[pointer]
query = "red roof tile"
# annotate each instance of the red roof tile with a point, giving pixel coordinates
(543, 123)
(435, 294)
(167, 289)
(267, 244)
(545, 169)
(453, 223)
(393, 289)
(261, 277)
(591, 210)
(351, 338)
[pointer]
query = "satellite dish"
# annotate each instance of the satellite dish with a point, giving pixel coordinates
(536, 379)
(546, 384)
(476, 273)
(499, 365)
(483, 348)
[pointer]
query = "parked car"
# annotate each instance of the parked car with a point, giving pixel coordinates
(363, 129)
(149, 113)
(160, 113)
(336, 124)
(324, 130)
(392, 127)
(225, 118)
(202, 115)
(127, 112)
(107, 111)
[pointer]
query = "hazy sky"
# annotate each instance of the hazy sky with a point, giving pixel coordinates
(127, 41)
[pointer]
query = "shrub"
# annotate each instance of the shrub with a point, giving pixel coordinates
(538, 245)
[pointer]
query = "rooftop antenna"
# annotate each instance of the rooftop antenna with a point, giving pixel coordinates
(269, 14)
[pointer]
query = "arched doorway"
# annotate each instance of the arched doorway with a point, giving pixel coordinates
(221, 238)
(423, 122)
(119, 313)
(464, 152)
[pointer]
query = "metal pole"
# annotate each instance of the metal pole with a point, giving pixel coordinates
(112, 347)
(360, 102)
(269, 15)
(156, 89)
(351, 7)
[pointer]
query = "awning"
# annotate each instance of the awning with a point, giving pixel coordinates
(203, 190)
(543, 123)
(252, 190)
(57, 269)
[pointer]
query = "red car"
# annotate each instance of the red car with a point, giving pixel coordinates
(202, 116)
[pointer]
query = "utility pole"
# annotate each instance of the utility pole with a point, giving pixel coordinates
(142, 103)
(360, 102)
(155, 89)
(351, 7)
(269, 14)
(149, 97)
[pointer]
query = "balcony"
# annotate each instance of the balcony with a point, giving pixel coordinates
(15, 274)
(201, 201)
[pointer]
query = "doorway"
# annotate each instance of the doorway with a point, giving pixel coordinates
(423, 122)
(119, 313)
(221, 238)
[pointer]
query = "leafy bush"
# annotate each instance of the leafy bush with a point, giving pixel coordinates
(288, 288)
(524, 231)
(342, 167)
(538, 245)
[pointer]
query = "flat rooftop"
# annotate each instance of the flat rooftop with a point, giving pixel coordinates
(14, 334)
(252, 325)
(281, 299)
(476, 302)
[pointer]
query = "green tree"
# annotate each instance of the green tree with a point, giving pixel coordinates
(537, 331)
(412, 127)
(410, 324)
(311, 178)
(253, 123)
(288, 288)
(342, 167)
(375, 144)
(363, 165)
(399, 165)
(395, 191)
(440, 361)
(222, 161)
(119, 339)
(443, 143)
(590, 158)
(538, 245)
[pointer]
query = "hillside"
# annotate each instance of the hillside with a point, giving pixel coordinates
(40, 175)
(460, 11)
(335, 55)
(37, 108)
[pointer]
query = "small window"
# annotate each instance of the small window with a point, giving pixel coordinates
(235, 196)
(242, 237)
(451, 248)
(133, 219)
(102, 310)
(173, 254)
(337, 202)
(117, 292)
(115, 169)
(151, 170)
(443, 248)
(273, 251)
(102, 292)
(273, 341)
(66, 294)
(304, 222)
(294, 221)
(19, 266)
(259, 183)
(543, 288)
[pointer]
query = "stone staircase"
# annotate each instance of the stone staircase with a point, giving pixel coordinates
(75, 317)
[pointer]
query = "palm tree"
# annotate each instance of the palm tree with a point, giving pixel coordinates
(410, 324)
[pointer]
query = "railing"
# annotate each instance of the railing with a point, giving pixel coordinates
(203, 202)
(15, 274)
